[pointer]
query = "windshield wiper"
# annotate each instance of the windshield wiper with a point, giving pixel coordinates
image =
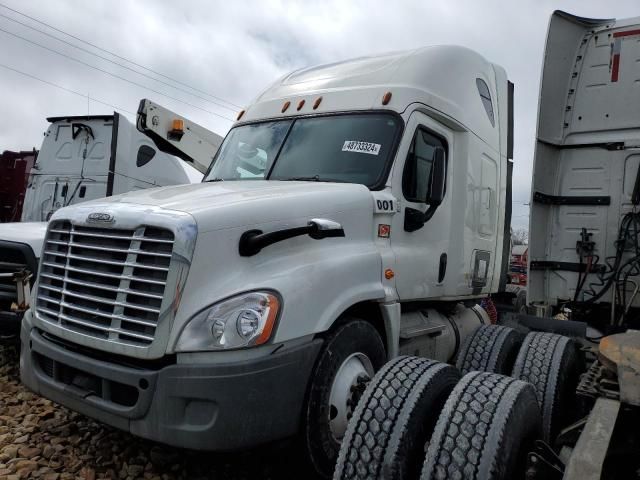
(215, 180)
(314, 178)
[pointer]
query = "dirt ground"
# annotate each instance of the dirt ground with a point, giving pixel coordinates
(40, 439)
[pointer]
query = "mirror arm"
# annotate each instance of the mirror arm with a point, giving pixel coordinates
(415, 219)
(429, 213)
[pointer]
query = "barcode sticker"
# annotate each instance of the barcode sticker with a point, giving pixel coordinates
(361, 147)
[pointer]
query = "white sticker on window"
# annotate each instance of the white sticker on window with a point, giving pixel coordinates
(361, 147)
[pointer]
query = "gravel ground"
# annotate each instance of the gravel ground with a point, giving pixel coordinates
(40, 439)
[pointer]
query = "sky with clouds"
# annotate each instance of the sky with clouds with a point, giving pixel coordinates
(233, 50)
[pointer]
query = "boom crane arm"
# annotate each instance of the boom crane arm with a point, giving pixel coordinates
(177, 135)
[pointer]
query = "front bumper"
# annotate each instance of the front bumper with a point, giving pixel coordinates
(198, 406)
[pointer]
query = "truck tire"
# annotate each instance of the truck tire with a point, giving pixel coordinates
(394, 419)
(348, 360)
(491, 348)
(551, 363)
(485, 431)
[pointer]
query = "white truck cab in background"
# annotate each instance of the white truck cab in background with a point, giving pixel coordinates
(355, 211)
(84, 158)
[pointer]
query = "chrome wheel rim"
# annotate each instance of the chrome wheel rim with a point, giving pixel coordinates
(347, 387)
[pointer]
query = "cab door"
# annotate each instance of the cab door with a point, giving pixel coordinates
(421, 250)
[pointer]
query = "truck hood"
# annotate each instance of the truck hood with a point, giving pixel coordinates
(30, 233)
(229, 204)
(209, 220)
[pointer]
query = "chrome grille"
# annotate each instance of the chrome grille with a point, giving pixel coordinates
(105, 283)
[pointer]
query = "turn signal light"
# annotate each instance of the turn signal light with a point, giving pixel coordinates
(389, 274)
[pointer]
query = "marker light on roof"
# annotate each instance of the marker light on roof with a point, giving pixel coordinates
(177, 126)
(240, 115)
(317, 103)
(386, 98)
(285, 106)
(300, 104)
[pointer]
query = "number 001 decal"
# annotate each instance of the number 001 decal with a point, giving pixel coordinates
(385, 205)
(361, 147)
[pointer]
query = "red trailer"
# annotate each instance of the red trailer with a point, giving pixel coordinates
(15, 168)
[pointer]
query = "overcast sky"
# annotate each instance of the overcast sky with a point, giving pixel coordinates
(232, 50)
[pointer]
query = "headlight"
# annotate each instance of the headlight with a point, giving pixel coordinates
(242, 321)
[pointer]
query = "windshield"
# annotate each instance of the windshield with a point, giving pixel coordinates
(353, 148)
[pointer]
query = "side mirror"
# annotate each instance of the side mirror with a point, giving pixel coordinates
(438, 179)
(323, 228)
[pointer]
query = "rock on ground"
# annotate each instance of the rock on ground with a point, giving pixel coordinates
(40, 439)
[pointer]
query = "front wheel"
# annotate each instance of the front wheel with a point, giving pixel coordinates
(349, 359)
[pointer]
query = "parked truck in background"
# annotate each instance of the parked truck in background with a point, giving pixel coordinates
(586, 187)
(355, 211)
(14, 177)
(83, 158)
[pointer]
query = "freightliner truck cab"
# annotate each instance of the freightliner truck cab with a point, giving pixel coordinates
(355, 211)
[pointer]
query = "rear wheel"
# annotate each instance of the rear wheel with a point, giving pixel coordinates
(394, 419)
(349, 359)
(551, 363)
(491, 348)
(488, 425)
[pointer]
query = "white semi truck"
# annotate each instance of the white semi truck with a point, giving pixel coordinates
(83, 158)
(356, 211)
